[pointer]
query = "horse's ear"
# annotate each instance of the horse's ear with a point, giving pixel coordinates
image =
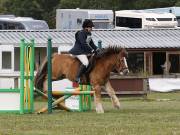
(123, 52)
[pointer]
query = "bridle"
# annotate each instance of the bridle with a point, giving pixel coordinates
(120, 61)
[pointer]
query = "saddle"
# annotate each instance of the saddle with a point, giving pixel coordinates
(92, 62)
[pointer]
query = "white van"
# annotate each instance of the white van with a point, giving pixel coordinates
(144, 19)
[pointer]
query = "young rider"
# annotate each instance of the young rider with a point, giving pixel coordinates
(83, 46)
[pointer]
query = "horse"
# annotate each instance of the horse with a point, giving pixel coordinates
(66, 66)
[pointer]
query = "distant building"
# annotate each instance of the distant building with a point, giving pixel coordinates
(73, 18)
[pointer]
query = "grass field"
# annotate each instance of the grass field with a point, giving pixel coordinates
(159, 114)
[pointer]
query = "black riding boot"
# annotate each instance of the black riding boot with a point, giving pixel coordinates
(82, 70)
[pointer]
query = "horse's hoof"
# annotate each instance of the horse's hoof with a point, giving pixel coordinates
(99, 111)
(117, 105)
(99, 108)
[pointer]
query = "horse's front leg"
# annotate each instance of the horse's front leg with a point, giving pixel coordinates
(97, 99)
(111, 93)
(45, 86)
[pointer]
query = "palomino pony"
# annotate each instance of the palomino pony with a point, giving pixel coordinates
(66, 66)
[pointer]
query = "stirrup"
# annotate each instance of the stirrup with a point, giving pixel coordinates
(78, 80)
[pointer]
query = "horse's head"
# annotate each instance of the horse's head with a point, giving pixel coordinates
(118, 59)
(121, 64)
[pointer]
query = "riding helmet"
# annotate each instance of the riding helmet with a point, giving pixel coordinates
(87, 23)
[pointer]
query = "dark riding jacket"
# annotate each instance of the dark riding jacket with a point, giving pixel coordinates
(83, 44)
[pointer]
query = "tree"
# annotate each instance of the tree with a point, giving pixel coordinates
(38, 9)
(69, 4)
(177, 3)
(3, 7)
(143, 4)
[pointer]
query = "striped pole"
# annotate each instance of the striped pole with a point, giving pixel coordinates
(26, 77)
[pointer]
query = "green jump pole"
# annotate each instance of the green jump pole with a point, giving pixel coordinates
(49, 52)
(80, 99)
(85, 98)
(22, 45)
(89, 98)
(32, 76)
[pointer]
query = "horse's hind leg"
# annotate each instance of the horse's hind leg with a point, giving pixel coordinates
(97, 99)
(111, 93)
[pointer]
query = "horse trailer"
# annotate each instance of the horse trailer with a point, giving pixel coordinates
(174, 10)
(144, 19)
(73, 18)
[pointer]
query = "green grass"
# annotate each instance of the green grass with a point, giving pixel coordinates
(159, 114)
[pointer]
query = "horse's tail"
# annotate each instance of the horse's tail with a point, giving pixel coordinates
(40, 75)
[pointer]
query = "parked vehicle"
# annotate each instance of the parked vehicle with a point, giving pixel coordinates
(144, 19)
(174, 10)
(73, 18)
(10, 22)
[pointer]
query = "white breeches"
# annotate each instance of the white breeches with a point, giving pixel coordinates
(83, 58)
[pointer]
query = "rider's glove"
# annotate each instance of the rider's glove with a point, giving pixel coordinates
(97, 50)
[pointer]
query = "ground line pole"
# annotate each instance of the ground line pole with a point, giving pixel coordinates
(49, 52)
